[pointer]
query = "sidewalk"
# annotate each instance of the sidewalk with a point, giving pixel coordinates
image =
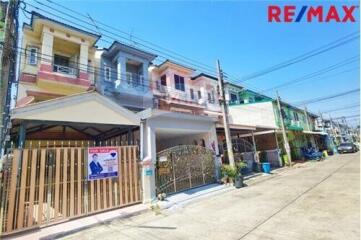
(172, 202)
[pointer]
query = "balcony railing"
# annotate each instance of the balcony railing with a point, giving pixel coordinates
(134, 79)
(65, 70)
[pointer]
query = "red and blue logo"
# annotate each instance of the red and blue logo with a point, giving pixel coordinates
(292, 13)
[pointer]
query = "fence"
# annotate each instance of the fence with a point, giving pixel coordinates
(46, 185)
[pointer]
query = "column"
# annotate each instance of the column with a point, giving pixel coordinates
(46, 59)
(217, 160)
(148, 173)
(83, 61)
(22, 135)
(121, 70)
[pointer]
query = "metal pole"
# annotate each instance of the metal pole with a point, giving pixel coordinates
(285, 139)
(307, 119)
(224, 108)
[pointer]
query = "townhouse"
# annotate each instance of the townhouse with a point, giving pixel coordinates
(163, 122)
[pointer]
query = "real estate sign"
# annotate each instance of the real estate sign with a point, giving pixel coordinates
(102, 162)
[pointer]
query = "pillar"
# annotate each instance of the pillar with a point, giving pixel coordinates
(47, 47)
(22, 135)
(83, 61)
(254, 148)
(148, 162)
(121, 69)
(130, 136)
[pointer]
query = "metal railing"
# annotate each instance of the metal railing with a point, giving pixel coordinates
(65, 69)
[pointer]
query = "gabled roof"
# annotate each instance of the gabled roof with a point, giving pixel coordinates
(118, 46)
(171, 62)
(37, 16)
(89, 107)
(204, 75)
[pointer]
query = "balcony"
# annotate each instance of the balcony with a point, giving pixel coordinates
(65, 70)
(293, 125)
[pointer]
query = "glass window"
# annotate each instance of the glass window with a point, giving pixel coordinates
(107, 73)
(192, 93)
(163, 80)
(179, 82)
(209, 97)
(33, 56)
(233, 97)
(295, 115)
(199, 94)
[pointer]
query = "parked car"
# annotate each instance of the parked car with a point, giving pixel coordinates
(347, 148)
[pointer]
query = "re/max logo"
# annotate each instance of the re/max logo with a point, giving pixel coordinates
(290, 13)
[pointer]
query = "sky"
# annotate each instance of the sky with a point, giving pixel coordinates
(239, 35)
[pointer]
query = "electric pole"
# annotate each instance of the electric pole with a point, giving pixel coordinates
(224, 108)
(284, 134)
(307, 119)
(7, 65)
(322, 125)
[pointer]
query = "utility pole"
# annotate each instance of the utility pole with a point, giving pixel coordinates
(322, 125)
(224, 108)
(333, 131)
(284, 134)
(307, 119)
(7, 65)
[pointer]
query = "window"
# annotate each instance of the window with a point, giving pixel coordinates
(192, 93)
(233, 97)
(295, 115)
(179, 82)
(163, 80)
(61, 60)
(212, 97)
(107, 73)
(32, 56)
(209, 97)
(199, 94)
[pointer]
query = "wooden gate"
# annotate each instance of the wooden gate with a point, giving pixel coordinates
(46, 185)
(184, 167)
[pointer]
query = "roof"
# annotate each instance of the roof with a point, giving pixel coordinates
(35, 15)
(167, 61)
(204, 75)
(88, 107)
(118, 46)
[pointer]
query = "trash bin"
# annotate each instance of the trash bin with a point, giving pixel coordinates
(266, 167)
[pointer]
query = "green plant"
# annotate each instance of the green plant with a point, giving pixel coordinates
(240, 166)
(229, 171)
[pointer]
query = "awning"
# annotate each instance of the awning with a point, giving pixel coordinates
(89, 107)
(315, 133)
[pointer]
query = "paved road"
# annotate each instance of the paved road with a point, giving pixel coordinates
(317, 200)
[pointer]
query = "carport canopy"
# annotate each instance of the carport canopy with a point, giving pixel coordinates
(88, 113)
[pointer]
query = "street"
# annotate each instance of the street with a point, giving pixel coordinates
(314, 200)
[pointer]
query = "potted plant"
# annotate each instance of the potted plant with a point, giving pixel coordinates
(229, 173)
(239, 177)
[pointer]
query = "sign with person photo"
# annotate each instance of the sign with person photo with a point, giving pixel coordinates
(102, 162)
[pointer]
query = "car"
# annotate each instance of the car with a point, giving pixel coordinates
(347, 148)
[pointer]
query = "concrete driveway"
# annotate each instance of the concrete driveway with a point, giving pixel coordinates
(316, 200)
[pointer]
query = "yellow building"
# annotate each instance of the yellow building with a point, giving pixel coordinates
(56, 60)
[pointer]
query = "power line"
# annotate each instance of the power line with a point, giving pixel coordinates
(326, 98)
(315, 74)
(342, 108)
(350, 116)
(337, 43)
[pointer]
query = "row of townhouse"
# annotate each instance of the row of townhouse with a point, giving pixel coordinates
(165, 120)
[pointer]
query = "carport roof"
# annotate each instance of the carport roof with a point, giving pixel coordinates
(156, 113)
(88, 107)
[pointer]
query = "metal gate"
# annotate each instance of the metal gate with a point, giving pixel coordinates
(46, 185)
(183, 167)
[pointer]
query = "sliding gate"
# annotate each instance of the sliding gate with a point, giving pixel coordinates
(42, 186)
(184, 167)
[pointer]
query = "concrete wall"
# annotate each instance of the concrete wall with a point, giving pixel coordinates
(256, 114)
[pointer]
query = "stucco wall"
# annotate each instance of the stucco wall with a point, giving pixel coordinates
(257, 114)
